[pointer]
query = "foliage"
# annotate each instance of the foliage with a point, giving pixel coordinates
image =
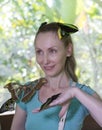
(90, 42)
(21, 19)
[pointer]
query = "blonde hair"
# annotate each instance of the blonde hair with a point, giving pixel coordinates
(70, 64)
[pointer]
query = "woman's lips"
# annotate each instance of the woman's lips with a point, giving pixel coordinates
(47, 68)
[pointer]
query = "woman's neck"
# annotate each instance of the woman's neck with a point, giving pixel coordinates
(57, 82)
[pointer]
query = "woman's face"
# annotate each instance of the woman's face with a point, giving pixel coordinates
(50, 53)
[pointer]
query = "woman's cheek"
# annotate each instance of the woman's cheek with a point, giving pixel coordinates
(39, 61)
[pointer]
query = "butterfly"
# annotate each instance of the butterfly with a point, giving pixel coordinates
(64, 29)
(26, 91)
(49, 100)
(17, 90)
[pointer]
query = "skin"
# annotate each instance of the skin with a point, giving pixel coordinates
(51, 56)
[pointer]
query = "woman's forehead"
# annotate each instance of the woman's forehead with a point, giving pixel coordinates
(48, 39)
(49, 33)
(52, 36)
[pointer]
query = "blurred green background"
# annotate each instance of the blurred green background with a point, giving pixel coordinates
(19, 21)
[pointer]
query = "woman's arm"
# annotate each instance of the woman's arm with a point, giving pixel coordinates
(19, 119)
(92, 102)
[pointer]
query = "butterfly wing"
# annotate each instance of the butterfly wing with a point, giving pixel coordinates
(15, 89)
(49, 100)
(9, 105)
(31, 87)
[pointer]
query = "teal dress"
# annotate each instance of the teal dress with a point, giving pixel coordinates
(48, 119)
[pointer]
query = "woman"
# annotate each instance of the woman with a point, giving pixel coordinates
(54, 54)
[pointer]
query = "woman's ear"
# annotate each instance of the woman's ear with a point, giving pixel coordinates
(69, 50)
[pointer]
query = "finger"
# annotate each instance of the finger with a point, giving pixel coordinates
(63, 110)
(58, 101)
(54, 103)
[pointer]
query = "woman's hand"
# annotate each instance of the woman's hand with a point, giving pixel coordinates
(63, 100)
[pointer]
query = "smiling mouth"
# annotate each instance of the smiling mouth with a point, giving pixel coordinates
(48, 67)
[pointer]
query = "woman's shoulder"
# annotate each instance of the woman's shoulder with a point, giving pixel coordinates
(85, 88)
(31, 87)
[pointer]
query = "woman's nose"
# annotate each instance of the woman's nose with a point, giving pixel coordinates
(46, 59)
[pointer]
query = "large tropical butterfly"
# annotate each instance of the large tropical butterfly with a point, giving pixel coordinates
(17, 90)
(28, 90)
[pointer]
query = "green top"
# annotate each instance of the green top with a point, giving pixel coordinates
(48, 119)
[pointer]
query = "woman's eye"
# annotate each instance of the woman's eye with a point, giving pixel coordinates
(53, 51)
(38, 52)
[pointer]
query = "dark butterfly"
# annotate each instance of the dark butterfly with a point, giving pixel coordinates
(49, 100)
(64, 29)
(69, 28)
